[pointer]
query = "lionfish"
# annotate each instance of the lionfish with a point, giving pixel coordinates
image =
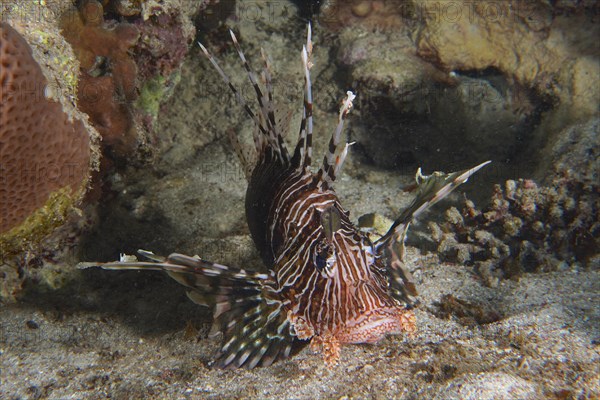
(327, 282)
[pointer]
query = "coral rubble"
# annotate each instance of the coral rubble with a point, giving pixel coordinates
(528, 227)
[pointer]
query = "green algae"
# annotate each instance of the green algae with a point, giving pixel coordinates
(155, 91)
(41, 222)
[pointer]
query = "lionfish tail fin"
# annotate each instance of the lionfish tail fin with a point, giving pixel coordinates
(246, 310)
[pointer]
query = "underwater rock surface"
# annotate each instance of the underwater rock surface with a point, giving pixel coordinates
(130, 335)
(130, 55)
(501, 76)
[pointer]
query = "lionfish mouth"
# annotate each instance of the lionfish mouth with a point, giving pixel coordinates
(374, 325)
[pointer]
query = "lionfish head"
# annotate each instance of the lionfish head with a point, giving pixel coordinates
(353, 303)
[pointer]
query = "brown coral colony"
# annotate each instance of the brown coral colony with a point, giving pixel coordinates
(107, 81)
(41, 149)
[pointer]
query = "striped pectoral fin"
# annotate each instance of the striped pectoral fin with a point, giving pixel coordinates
(209, 283)
(255, 333)
(433, 188)
(430, 190)
(401, 281)
(255, 328)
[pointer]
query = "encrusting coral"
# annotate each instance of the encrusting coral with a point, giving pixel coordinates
(45, 154)
(107, 79)
(130, 55)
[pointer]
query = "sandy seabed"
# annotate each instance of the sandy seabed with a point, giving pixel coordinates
(119, 335)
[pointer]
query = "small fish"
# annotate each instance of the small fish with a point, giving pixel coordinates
(326, 282)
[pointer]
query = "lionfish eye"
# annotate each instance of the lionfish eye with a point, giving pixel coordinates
(323, 254)
(320, 255)
(320, 262)
(331, 221)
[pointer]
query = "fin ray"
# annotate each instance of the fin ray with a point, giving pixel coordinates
(303, 152)
(245, 307)
(327, 173)
(431, 189)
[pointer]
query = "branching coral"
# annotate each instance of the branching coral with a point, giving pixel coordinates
(44, 154)
(526, 228)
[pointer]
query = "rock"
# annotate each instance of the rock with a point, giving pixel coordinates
(535, 44)
(573, 151)
(499, 79)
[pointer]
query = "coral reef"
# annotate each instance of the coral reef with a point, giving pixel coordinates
(530, 228)
(130, 55)
(504, 81)
(49, 184)
(123, 335)
(107, 81)
(46, 155)
(48, 152)
(482, 74)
